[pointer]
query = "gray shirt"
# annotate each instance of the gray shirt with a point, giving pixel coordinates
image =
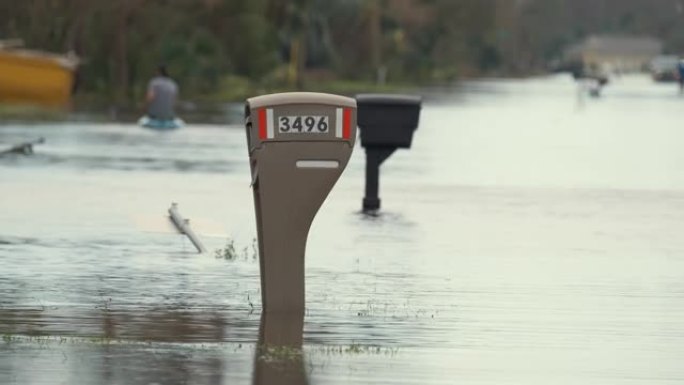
(165, 91)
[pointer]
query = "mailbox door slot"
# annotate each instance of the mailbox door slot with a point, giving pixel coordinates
(318, 164)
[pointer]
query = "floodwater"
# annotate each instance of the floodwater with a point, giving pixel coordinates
(528, 237)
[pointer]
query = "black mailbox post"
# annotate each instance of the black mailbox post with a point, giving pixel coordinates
(387, 122)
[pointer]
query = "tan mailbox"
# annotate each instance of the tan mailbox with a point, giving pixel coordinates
(299, 144)
(279, 333)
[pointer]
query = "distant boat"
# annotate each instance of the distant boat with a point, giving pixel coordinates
(35, 77)
(161, 124)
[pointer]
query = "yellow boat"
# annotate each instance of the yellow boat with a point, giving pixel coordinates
(36, 78)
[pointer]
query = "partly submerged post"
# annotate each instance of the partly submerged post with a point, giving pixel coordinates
(387, 122)
(299, 143)
(279, 358)
(183, 226)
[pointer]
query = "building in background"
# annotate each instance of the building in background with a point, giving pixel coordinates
(614, 54)
(665, 68)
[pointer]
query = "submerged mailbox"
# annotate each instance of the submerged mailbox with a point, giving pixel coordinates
(299, 144)
(387, 122)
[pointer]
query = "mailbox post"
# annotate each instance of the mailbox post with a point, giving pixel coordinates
(387, 122)
(280, 332)
(299, 144)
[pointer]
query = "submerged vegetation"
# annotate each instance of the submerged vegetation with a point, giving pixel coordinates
(269, 353)
(230, 251)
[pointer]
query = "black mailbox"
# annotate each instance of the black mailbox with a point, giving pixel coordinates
(388, 120)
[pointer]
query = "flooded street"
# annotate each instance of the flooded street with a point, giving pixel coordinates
(527, 237)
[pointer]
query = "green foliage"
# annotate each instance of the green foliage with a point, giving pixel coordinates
(213, 45)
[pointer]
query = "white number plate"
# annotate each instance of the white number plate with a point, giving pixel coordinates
(304, 124)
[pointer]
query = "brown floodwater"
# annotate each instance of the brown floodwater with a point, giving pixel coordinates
(528, 237)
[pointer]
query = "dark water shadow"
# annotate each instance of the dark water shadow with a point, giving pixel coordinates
(17, 241)
(382, 217)
(125, 163)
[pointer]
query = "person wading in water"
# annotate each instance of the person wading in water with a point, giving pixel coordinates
(162, 92)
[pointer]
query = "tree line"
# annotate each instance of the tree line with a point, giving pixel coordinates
(210, 45)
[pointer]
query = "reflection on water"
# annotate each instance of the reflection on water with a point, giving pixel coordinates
(521, 241)
(279, 358)
(93, 361)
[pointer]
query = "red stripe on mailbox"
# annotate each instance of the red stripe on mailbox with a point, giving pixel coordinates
(262, 124)
(346, 127)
